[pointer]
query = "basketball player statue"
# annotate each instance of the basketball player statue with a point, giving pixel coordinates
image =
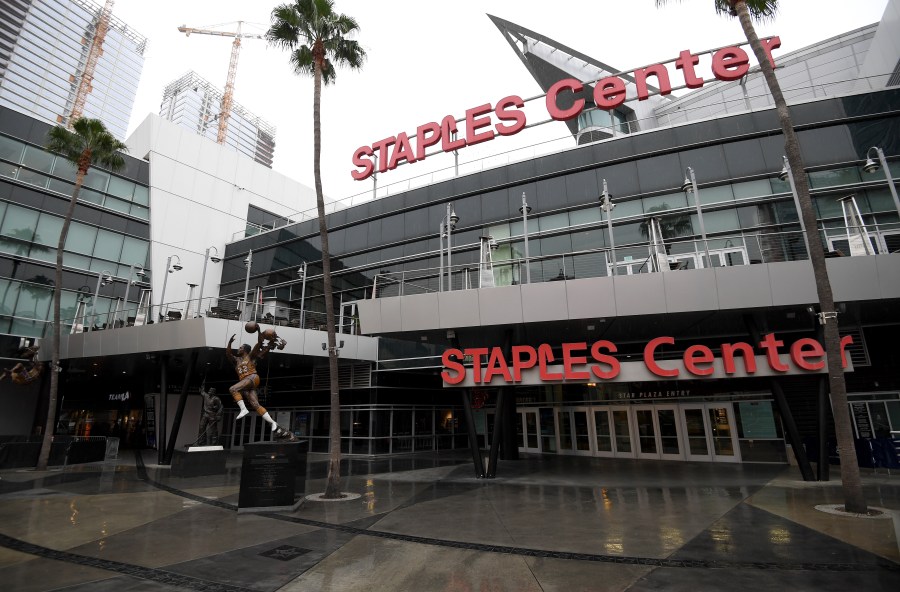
(210, 418)
(244, 362)
(28, 370)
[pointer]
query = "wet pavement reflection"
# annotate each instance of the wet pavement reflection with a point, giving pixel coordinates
(424, 522)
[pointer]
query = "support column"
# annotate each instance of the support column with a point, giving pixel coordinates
(495, 437)
(163, 411)
(473, 437)
(179, 413)
(792, 433)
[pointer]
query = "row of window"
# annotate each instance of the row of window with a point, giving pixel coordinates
(29, 233)
(25, 306)
(38, 167)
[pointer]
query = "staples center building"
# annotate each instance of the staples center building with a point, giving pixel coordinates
(653, 299)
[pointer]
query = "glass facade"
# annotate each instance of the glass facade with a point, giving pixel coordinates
(51, 45)
(109, 233)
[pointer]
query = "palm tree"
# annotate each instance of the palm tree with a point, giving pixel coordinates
(747, 11)
(316, 36)
(88, 144)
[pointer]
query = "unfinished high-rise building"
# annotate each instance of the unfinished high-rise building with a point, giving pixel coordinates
(194, 103)
(44, 49)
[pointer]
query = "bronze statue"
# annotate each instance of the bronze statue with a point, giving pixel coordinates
(248, 380)
(25, 372)
(210, 418)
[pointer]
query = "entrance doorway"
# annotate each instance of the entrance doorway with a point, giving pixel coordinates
(710, 432)
(527, 429)
(658, 432)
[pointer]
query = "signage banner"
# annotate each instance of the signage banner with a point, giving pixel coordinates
(580, 363)
(451, 134)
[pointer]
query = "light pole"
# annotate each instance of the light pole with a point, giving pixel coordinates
(248, 262)
(441, 256)
(871, 166)
(690, 184)
(170, 268)
(302, 273)
(787, 174)
(451, 221)
(525, 209)
(606, 205)
(104, 278)
(206, 259)
(131, 273)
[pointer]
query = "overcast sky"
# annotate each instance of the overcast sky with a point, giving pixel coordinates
(429, 59)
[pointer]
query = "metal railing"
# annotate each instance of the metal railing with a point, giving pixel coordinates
(724, 251)
(267, 312)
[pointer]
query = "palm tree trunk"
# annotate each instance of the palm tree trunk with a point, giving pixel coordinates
(854, 499)
(333, 482)
(49, 427)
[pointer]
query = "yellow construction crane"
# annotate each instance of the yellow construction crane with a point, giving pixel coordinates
(94, 53)
(228, 96)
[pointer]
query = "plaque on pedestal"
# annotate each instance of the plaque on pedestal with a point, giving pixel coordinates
(273, 476)
(199, 461)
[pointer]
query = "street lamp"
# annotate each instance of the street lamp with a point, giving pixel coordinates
(170, 268)
(690, 184)
(301, 272)
(141, 274)
(606, 205)
(525, 209)
(871, 166)
(787, 174)
(206, 259)
(104, 278)
(248, 262)
(449, 223)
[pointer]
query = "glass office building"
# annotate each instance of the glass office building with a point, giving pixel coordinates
(194, 104)
(43, 55)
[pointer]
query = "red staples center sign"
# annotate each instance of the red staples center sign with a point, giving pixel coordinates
(478, 125)
(583, 362)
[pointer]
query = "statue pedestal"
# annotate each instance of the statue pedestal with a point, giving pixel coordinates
(273, 476)
(199, 461)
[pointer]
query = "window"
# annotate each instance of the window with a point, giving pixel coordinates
(19, 223)
(11, 150)
(48, 229)
(37, 159)
(121, 188)
(81, 238)
(108, 245)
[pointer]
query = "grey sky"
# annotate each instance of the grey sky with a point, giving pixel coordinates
(430, 59)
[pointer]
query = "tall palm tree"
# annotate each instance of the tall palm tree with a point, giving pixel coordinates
(747, 11)
(88, 144)
(317, 38)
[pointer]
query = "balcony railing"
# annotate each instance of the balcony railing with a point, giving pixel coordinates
(630, 259)
(267, 312)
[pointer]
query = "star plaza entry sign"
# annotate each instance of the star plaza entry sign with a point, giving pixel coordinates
(728, 63)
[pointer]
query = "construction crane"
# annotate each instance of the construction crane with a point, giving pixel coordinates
(94, 53)
(228, 96)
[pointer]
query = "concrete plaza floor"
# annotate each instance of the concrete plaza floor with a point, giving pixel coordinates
(424, 523)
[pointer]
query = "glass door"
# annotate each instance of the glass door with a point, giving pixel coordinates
(695, 431)
(669, 432)
(709, 431)
(645, 429)
(574, 437)
(603, 434)
(527, 428)
(622, 443)
(723, 434)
